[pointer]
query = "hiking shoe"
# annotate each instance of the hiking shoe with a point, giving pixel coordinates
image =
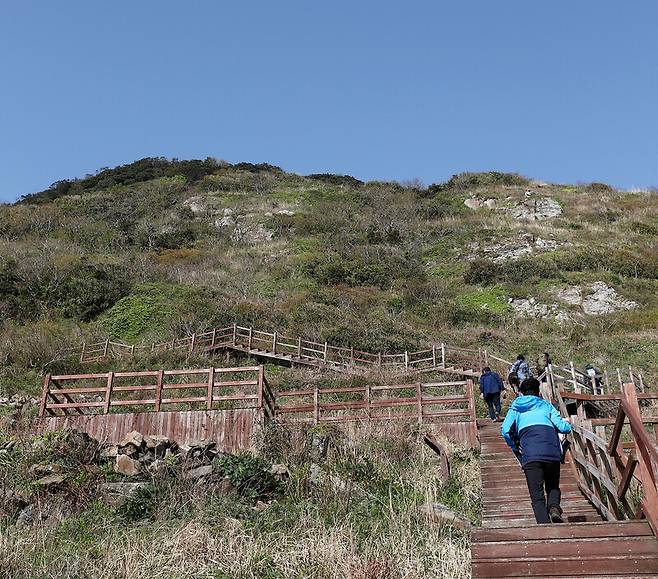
(555, 514)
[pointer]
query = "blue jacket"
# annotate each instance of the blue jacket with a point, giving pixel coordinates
(490, 383)
(522, 370)
(531, 428)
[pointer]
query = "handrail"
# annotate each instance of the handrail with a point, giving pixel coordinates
(605, 472)
(458, 360)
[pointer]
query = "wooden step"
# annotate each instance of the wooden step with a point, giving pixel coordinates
(577, 531)
(600, 565)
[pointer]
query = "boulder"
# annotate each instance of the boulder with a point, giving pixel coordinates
(52, 480)
(159, 444)
(110, 451)
(280, 470)
(441, 514)
(199, 472)
(133, 438)
(44, 469)
(126, 466)
(116, 493)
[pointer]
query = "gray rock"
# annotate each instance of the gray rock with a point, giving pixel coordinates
(280, 470)
(44, 469)
(133, 438)
(110, 451)
(126, 466)
(117, 493)
(537, 209)
(199, 472)
(52, 480)
(442, 514)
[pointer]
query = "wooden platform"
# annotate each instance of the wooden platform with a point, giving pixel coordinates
(511, 544)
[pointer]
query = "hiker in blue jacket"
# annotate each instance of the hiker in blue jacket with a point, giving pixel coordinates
(491, 385)
(531, 430)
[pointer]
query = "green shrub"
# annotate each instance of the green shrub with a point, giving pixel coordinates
(250, 475)
(140, 505)
(464, 181)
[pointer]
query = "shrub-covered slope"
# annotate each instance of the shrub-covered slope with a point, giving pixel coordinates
(160, 248)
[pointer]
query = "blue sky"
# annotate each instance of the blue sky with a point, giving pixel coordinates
(560, 91)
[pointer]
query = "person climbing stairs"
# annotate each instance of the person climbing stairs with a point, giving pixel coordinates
(511, 544)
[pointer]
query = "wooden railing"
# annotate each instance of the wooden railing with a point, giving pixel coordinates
(157, 390)
(247, 387)
(466, 361)
(417, 401)
(612, 471)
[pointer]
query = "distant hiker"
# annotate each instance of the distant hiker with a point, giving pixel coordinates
(594, 378)
(543, 363)
(518, 372)
(491, 385)
(531, 430)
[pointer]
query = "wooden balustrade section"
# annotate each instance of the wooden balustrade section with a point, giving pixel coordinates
(449, 405)
(456, 360)
(612, 471)
(157, 390)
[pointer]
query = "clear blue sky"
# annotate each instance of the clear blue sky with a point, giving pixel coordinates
(560, 91)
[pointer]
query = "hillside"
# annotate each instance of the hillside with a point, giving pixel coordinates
(158, 249)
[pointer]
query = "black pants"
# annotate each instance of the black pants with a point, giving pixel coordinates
(493, 403)
(543, 480)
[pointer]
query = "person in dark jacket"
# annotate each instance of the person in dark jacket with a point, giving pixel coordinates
(531, 430)
(491, 385)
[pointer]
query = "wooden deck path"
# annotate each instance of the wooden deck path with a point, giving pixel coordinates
(511, 544)
(443, 358)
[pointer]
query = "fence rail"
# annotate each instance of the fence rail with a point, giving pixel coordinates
(247, 388)
(156, 390)
(460, 361)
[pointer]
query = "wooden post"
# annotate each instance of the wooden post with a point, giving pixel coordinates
(470, 394)
(576, 385)
(433, 355)
(106, 347)
(645, 460)
(158, 390)
(261, 387)
(214, 337)
(193, 342)
(406, 359)
(379, 359)
(480, 358)
(299, 347)
(108, 391)
(211, 384)
(443, 354)
(44, 394)
(132, 350)
(621, 382)
(251, 338)
(326, 351)
(235, 334)
(84, 350)
(486, 357)
(352, 355)
(316, 405)
(419, 403)
(368, 392)
(274, 343)
(606, 381)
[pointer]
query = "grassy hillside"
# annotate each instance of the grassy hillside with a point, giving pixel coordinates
(159, 248)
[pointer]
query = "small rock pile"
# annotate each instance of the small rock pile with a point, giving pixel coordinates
(137, 453)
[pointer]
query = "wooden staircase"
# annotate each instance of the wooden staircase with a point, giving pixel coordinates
(457, 361)
(511, 544)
